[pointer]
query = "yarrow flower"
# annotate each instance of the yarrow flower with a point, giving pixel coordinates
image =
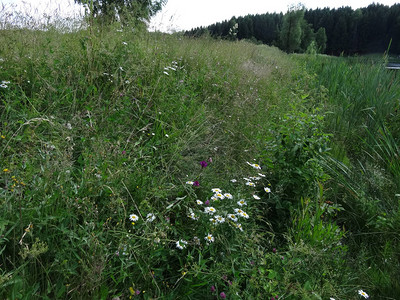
(181, 244)
(133, 217)
(364, 294)
(196, 240)
(150, 217)
(209, 238)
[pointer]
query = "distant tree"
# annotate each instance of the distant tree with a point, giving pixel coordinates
(320, 40)
(290, 34)
(113, 10)
(307, 35)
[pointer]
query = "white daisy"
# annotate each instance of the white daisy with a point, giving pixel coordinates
(364, 294)
(232, 217)
(249, 183)
(209, 238)
(256, 197)
(181, 244)
(210, 210)
(262, 175)
(189, 182)
(219, 196)
(199, 202)
(267, 190)
(233, 180)
(227, 195)
(150, 217)
(193, 216)
(133, 217)
(216, 190)
(220, 219)
(244, 214)
(241, 202)
(255, 166)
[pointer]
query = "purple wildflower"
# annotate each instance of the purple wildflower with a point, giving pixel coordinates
(274, 250)
(203, 164)
(207, 202)
(196, 183)
(213, 289)
(124, 152)
(222, 295)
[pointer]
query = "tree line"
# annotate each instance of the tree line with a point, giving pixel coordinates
(333, 31)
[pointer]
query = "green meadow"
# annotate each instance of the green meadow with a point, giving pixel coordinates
(139, 165)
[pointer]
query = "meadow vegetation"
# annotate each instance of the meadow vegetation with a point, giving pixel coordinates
(140, 165)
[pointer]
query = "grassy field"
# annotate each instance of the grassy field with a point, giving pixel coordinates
(140, 165)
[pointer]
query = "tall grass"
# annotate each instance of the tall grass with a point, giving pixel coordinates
(102, 133)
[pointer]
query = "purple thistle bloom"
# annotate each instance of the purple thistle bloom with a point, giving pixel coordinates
(222, 295)
(274, 250)
(124, 152)
(196, 183)
(207, 202)
(213, 289)
(203, 164)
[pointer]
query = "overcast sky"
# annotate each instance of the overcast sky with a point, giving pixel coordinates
(187, 14)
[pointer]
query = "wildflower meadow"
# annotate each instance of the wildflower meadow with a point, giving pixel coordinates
(141, 165)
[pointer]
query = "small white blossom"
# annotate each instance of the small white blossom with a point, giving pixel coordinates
(364, 294)
(193, 216)
(227, 195)
(232, 217)
(267, 190)
(209, 238)
(150, 217)
(256, 197)
(210, 210)
(199, 202)
(133, 217)
(255, 166)
(241, 202)
(181, 244)
(220, 219)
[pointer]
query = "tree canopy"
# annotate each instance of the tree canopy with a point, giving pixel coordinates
(113, 10)
(333, 31)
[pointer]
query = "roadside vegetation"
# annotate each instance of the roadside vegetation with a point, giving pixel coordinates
(140, 165)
